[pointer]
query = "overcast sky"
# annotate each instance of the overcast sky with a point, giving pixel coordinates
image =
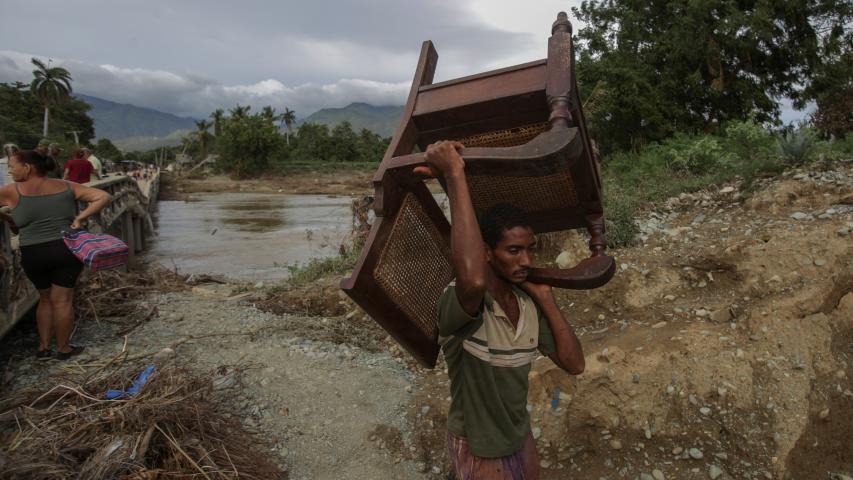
(189, 57)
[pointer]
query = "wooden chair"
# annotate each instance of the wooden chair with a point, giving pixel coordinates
(526, 143)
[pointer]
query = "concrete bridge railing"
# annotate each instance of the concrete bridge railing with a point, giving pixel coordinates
(127, 216)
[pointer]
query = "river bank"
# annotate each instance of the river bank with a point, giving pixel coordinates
(338, 182)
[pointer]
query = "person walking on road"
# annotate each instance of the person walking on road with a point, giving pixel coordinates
(42, 208)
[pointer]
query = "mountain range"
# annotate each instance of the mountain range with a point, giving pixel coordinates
(131, 127)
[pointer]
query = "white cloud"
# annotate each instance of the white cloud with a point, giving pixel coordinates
(197, 96)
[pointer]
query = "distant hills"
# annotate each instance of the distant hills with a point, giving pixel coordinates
(380, 120)
(135, 128)
(131, 127)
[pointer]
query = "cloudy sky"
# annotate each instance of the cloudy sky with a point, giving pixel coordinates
(189, 57)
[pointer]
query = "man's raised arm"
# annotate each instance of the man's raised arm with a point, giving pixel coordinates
(466, 243)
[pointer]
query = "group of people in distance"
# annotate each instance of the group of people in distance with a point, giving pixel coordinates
(41, 209)
(82, 167)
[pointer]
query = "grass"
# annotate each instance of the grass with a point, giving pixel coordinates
(637, 180)
(317, 268)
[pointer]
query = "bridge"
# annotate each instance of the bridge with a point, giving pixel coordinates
(127, 216)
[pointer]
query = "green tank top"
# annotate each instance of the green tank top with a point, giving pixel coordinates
(43, 218)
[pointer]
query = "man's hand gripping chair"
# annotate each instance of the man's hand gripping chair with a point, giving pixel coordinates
(525, 143)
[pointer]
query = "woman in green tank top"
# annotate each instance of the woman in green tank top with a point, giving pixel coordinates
(42, 208)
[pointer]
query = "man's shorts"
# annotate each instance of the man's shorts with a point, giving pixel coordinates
(521, 465)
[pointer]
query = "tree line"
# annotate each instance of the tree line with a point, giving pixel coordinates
(251, 143)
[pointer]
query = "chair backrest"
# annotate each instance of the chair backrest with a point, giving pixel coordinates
(526, 144)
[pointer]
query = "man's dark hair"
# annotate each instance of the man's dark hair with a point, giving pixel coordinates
(499, 218)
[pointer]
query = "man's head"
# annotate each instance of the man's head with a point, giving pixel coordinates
(509, 241)
(54, 150)
(43, 146)
(9, 149)
(86, 152)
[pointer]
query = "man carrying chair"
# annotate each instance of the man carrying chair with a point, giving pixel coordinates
(493, 323)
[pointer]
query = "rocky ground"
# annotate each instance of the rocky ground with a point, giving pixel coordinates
(723, 348)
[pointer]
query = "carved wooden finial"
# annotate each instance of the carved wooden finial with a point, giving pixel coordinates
(562, 24)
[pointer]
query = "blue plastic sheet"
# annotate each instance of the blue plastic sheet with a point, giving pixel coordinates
(140, 382)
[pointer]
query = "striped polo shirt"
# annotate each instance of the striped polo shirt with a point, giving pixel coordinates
(488, 360)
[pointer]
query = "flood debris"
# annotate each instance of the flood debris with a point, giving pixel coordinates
(180, 424)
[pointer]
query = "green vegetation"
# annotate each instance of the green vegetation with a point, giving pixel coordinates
(651, 70)
(22, 117)
(317, 268)
(51, 85)
(105, 150)
(685, 163)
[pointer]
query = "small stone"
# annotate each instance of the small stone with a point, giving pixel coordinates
(646, 476)
(659, 325)
(669, 298)
(722, 315)
(408, 389)
(623, 267)
(800, 216)
(819, 262)
(421, 467)
(705, 410)
(163, 355)
(714, 472)
(739, 353)
(824, 414)
(615, 444)
(635, 378)
(601, 316)
(658, 475)
(259, 285)
(677, 450)
(692, 399)
(544, 463)
(775, 279)
(702, 312)
(695, 453)
(727, 190)
(436, 470)
(670, 389)
(537, 432)
(648, 433)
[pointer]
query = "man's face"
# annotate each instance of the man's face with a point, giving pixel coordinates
(42, 149)
(511, 257)
(54, 152)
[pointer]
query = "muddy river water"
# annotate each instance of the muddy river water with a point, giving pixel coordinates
(248, 236)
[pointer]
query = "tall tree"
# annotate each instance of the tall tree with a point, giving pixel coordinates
(268, 113)
(289, 119)
(51, 85)
(664, 66)
(217, 121)
(203, 136)
(240, 112)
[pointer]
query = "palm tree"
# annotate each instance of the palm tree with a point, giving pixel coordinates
(268, 113)
(217, 121)
(289, 118)
(240, 111)
(203, 136)
(50, 86)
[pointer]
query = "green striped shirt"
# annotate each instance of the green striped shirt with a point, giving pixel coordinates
(488, 360)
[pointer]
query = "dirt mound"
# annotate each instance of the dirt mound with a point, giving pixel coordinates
(722, 347)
